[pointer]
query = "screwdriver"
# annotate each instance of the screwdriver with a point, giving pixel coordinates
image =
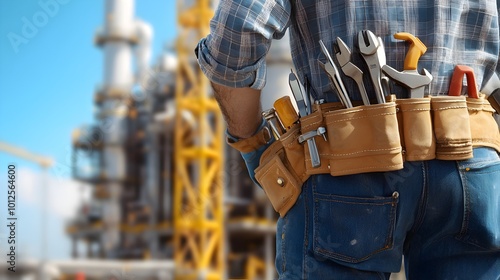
(286, 113)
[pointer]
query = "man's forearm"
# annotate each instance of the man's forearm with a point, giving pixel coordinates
(241, 109)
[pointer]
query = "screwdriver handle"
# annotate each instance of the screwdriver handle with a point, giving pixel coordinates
(417, 49)
(286, 112)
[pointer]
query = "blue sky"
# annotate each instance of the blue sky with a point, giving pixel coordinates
(47, 85)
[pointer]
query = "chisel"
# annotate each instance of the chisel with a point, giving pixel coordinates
(303, 111)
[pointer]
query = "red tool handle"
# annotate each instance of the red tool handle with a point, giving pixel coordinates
(457, 78)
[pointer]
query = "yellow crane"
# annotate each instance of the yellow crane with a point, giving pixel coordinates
(199, 156)
(44, 162)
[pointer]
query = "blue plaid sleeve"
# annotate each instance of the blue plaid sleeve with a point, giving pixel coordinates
(498, 59)
(233, 54)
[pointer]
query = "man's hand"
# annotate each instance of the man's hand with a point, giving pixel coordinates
(241, 109)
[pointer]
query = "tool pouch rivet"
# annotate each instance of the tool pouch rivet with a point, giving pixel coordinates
(280, 181)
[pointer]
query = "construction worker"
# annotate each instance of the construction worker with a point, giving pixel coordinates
(441, 214)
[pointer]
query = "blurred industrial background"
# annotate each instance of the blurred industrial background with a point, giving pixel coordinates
(156, 192)
(165, 197)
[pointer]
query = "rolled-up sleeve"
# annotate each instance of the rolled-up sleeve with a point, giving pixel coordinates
(241, 31)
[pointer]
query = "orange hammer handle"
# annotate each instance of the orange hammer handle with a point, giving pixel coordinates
(417, 49)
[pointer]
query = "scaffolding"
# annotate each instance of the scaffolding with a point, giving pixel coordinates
(184, 196)
(199, 155)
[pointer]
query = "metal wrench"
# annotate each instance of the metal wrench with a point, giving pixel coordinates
(334, 76)
(409, 77)
(343, 54)
(384, 80)
(373, 52)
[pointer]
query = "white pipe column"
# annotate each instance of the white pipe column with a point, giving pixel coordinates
(117, 40)
(144, 33)
(118, 32)
(146, 79)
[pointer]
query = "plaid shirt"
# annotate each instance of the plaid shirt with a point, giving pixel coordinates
(455, 32)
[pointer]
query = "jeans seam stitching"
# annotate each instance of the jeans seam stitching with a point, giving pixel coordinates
(283, 244)
(423, 201)
(392, 224)
(466, 205)
(306, 231)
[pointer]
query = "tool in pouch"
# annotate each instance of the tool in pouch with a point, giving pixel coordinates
(456, 82)
(372, 50)
(334, 75)
(479, 108)
(494, 100)
(409, 77)
(343, 54)
(276, 127)
(452, 116)
(305, 109)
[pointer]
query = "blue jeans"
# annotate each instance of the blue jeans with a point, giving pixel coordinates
(443, 216)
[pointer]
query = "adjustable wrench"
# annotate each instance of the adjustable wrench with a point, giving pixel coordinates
(343, 54)
(372, 50)
(334, 75)
(410, 77)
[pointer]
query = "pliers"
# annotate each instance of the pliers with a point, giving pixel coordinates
(343, 54)
(334, 76)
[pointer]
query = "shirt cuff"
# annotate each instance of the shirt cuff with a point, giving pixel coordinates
(261, 137)
(253, 76)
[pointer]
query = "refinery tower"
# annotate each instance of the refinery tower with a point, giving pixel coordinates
(131, 157)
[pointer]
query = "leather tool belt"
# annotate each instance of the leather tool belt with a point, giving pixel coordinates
(375, 138)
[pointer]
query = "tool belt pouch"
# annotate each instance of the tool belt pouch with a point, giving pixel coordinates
(484, 129)
(451, 127)
(364, 139)
(417, 136)
(279, 170)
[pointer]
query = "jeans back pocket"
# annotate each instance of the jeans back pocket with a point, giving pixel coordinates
(352, 229)
(481, 182)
